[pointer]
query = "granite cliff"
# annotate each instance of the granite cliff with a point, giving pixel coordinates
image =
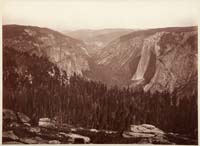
(67, 53)
(156, 59)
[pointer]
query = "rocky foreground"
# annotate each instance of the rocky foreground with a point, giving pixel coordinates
(18, 129)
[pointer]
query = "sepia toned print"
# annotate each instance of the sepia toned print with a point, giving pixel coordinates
(81, 72)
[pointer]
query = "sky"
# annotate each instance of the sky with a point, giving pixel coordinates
(99, 14)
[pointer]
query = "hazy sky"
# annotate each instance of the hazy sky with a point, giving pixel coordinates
(97, 14)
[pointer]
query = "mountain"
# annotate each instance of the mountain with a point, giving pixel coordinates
(97, 39)
(67, 53)
(155, 59)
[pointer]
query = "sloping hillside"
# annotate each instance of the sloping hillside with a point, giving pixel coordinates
(67, 53)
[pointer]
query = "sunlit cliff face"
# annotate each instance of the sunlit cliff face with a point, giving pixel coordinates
(159, 61)
(176, 61)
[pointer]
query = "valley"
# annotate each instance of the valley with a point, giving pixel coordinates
(118, 85)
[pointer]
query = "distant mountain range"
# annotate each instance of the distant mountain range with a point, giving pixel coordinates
(97, 39)
(154, 59)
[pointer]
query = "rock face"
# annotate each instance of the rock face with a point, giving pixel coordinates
(145, 128)
(157, 59)
(67, 53)
(147, 133)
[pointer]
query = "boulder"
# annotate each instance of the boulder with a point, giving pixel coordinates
(54, 142)
(148, 134)
(23, 118)
(73, 129)
(94, 130)
(34, 129)
(9, 115)
(27, 124)
(46, 122)
(76, 138)
(145, 128)
(9, 135)
(148, 126)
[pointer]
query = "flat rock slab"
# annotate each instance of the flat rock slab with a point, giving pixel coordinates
(149, 134)
(145, 128)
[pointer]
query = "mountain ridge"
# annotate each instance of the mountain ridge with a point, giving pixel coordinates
(138, 59)
(68, 53)
(97, 39)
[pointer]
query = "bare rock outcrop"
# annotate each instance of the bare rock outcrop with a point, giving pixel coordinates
(17, 129)
(65, 134)
(148, 134)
